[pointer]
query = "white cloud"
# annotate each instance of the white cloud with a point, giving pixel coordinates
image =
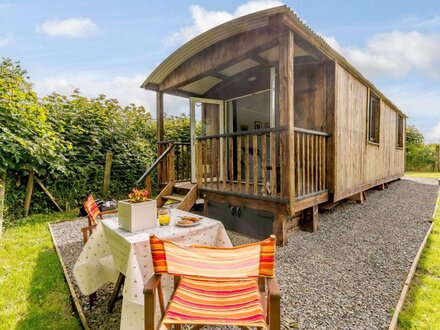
(433, 136)
(421, 105)
(126, 89)
(422, 23)
(203, 20)
(395, 54)
(75, 27)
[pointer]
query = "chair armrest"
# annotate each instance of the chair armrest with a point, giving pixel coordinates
(152, 283)
(109, 212)
(272, 288)
(273, 304)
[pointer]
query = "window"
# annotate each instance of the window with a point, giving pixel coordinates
(373, 119)
(399, 131)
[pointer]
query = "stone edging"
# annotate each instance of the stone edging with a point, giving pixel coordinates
(412, 271)
(76, 303)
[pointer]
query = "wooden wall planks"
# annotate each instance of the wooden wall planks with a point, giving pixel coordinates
(359, 162)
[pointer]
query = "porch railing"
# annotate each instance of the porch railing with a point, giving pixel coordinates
(243, 162)
(178, 166)
(252, 162)
(310, 161)
(172, 164)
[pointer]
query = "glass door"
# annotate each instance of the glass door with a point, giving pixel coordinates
(206, 118)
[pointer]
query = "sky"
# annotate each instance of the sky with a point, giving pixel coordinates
(109, 47)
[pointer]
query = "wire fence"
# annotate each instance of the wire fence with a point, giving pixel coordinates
(84, 174)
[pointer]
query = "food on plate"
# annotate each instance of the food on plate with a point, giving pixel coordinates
(185, 222)
(190, 218)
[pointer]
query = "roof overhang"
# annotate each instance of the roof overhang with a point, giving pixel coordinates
(238, 26)
(208, 38)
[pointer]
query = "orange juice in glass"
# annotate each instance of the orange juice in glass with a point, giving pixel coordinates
(164, 217)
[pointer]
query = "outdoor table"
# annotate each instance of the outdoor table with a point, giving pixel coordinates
(111, 250)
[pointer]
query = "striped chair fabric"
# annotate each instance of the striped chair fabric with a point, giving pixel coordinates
(92, 209)
(250, 260)
(219, 285)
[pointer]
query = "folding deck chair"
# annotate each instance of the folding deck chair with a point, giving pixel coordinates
(214, 286)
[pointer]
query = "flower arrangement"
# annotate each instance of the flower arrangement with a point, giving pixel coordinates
(138, 195)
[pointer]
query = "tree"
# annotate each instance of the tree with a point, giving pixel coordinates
(27, 138)
(413, 136)
(419, 156)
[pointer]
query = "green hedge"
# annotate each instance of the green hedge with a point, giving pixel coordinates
(421, 158)
(91, 127)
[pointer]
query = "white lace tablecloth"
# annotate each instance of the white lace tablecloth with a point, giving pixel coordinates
(111, 250)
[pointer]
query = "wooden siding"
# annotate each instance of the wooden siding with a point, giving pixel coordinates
(360, 164)
(310, 107)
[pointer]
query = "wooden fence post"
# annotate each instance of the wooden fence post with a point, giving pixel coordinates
(107, 171)
(29, 190)
(2, 198)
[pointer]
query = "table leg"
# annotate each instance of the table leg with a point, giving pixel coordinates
(114, 297)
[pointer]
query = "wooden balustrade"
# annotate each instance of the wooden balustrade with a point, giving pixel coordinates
(178, 164)
(310, 161)
(250, 162)
(242, 162)
(172, 164)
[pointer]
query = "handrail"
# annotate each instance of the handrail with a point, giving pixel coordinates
(262, 131)
(308, 131)
(177, 143)
(255, 131)
(156, 162)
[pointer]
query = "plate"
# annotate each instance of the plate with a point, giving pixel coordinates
(187, 224)
(191, 218)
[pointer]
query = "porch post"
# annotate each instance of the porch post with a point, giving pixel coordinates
(159, 116)
(286, 113)
(161, 170)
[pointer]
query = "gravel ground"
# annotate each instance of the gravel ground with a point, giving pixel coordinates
(348, 275)
(69, 240)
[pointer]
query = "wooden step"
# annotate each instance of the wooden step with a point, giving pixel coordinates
(183, 188)
(174, 197)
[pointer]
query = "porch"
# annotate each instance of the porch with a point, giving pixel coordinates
(250, 164)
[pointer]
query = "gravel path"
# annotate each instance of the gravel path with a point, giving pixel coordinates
(348, 275)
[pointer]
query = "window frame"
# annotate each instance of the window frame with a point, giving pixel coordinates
(373, 139)
(400, 136)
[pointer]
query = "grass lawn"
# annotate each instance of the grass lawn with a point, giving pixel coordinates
(433, 175)
(422, 305)
(33, 293)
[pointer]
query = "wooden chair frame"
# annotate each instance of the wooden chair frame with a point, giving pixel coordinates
(88, 230)
(153, 290)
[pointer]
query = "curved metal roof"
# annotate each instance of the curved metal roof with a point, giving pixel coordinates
(239, 25)
(210, 37)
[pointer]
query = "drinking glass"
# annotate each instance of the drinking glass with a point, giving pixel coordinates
(164, 217)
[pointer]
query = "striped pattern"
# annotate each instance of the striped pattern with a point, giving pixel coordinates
(267, 258)
(215, 263)
(158, 255)
(91, 209)
(250, 260)
(216, 302)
